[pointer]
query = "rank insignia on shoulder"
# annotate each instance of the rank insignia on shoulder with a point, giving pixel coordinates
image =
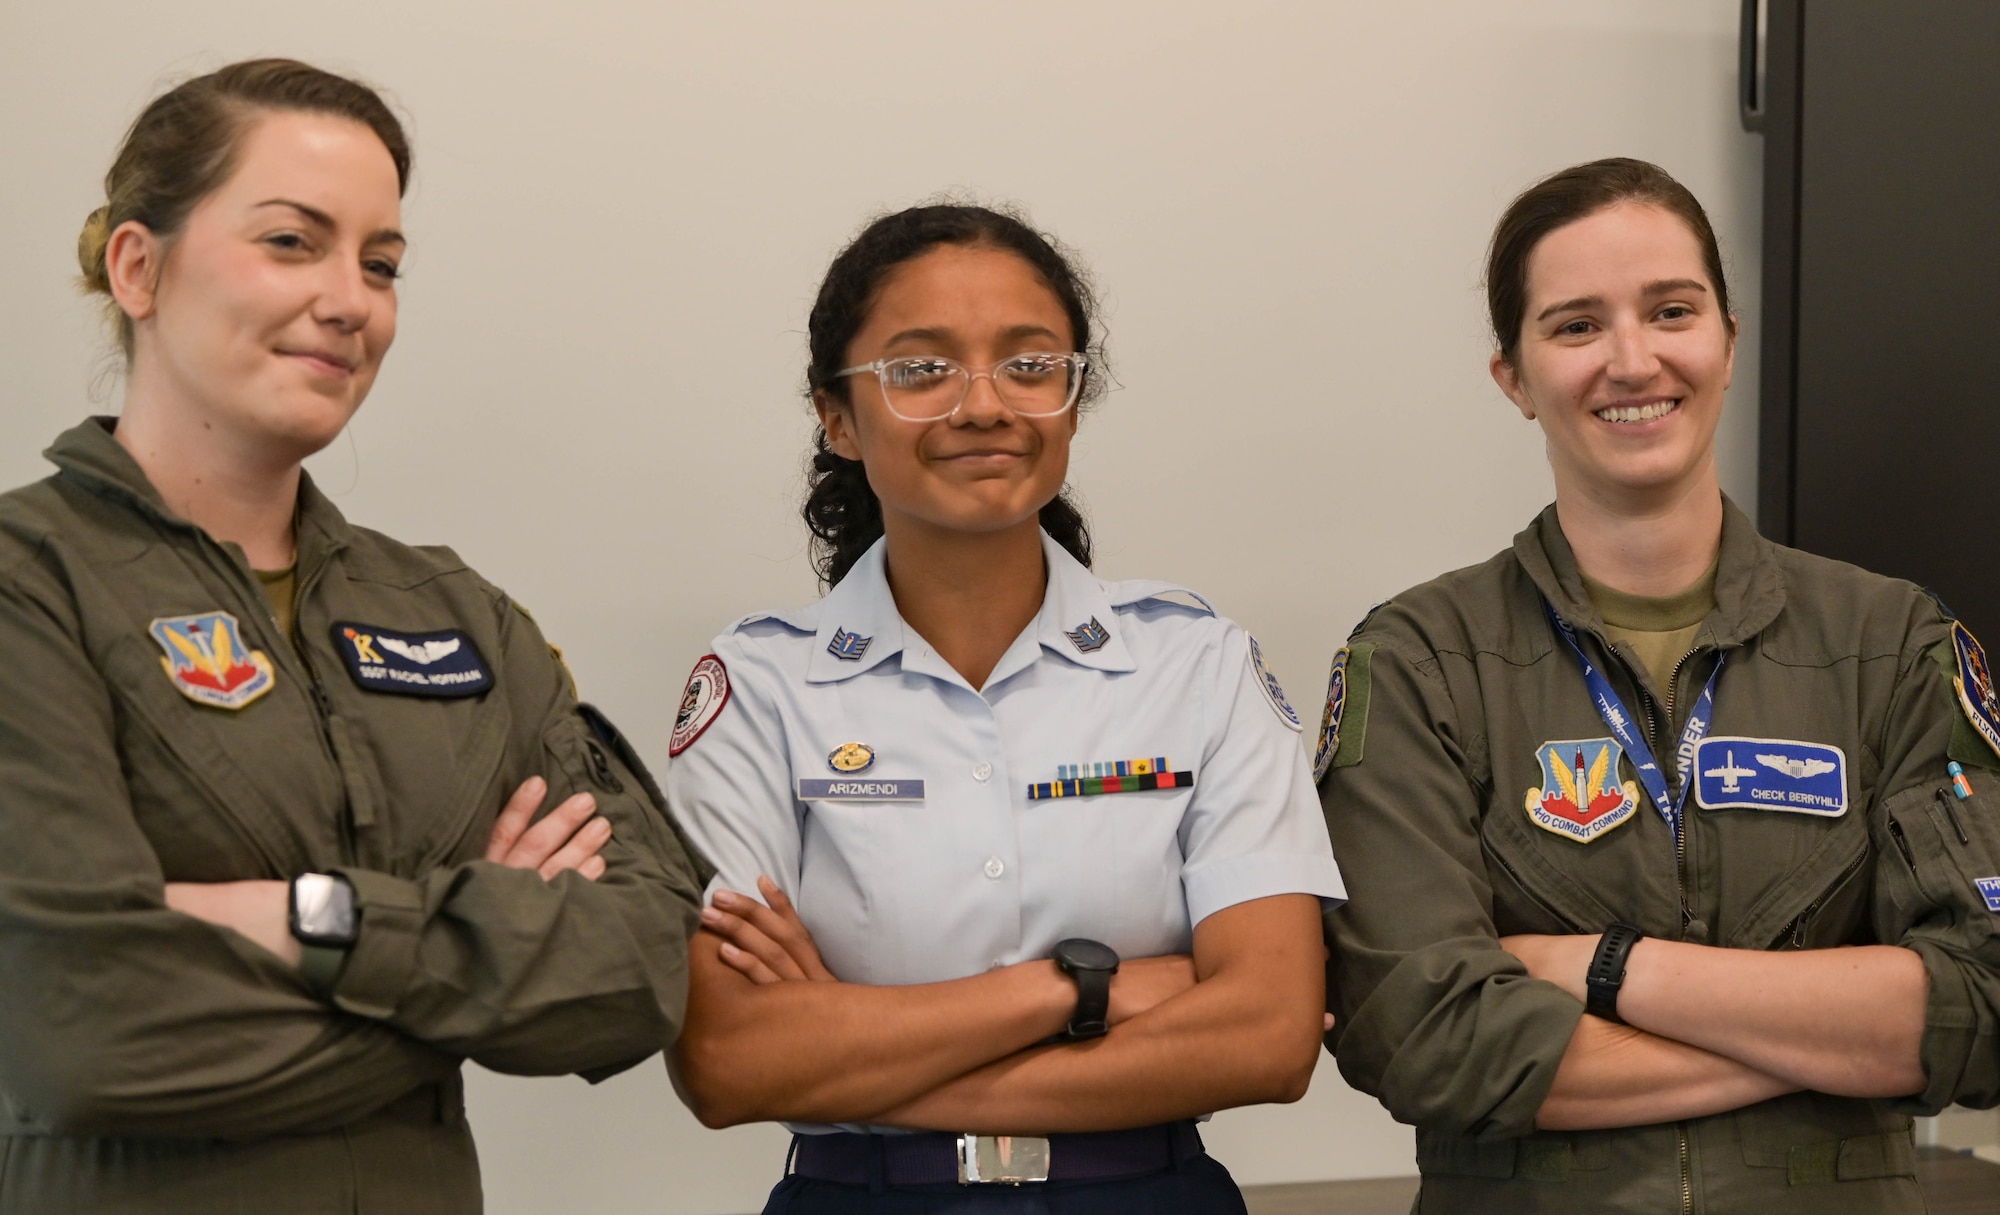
(846, 646)
(850, 758)
(1770, 774)
(1580, 797)
(1329, 720)
(1088, 637)
(440, 664)
(1974, 682)
(208, 663)
(1273, 690)
(701, 703)
(1989, 889)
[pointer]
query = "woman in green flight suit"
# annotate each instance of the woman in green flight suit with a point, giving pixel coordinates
(258, 893)
(1612, 799)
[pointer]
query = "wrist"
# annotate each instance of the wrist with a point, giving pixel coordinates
(1605, 976)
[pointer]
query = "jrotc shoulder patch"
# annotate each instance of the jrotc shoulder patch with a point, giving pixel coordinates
(1974, 683)
(207, 661)
(442, 664)
(702, 700)
(1273, 690)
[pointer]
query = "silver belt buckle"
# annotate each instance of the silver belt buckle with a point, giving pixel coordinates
(1002, 1159)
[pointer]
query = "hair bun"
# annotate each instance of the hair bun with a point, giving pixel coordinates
(90, 246)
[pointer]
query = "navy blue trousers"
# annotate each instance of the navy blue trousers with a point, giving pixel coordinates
(1200, 1186)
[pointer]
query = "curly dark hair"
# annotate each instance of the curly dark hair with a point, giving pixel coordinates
(841, 509)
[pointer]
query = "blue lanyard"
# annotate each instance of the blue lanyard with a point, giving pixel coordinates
(1616, 716)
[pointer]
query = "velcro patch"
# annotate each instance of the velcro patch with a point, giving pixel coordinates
(1771, 774)
(701, 702)
(440, 664)
(1989, 889)
(1273, 690)
(812, 790)
(1974, 683)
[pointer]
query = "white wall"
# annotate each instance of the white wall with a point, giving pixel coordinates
(621, 211)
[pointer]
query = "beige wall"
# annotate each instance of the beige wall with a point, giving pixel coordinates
(621, 211)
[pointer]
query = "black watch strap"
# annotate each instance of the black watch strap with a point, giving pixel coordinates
(1090, 964)
(1607, 971)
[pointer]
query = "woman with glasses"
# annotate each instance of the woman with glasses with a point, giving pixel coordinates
(1019, 870)
(1676, 853)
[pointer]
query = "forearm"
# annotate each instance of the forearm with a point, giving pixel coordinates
(1222, 1044)
(1247, 1031)
(1845, 1021)
(1615, 1075)
(838, 1052)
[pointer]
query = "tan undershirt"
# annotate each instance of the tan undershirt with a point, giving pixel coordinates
(1660, 631)
(281, 588)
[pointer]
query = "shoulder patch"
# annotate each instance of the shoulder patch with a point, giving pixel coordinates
(702, 700)
(1273, 691)
(443, 664)
(1329, 719)
(1344, 726)
(1974, 684)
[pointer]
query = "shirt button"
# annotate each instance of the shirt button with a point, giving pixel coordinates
(982, 772)
(995, 867)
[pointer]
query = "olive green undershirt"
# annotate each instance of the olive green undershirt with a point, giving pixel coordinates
(1660, 630)
(281, 587)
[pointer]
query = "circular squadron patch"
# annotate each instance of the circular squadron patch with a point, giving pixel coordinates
(701, 702)
(1329, 721)
(1273, 691)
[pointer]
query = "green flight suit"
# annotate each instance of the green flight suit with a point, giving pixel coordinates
(1452, 689)
(150, 1062)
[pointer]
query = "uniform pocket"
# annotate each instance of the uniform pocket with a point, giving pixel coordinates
(1544, 1156)
(1948, 861)
(1816, 1138)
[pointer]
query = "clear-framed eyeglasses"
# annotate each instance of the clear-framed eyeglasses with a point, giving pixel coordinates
(926, 387)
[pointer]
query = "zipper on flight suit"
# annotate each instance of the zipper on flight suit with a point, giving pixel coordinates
(1680, 880)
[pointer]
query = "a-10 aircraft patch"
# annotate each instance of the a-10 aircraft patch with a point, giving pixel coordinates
(1770, 774)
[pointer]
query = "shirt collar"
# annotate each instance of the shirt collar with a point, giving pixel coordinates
(860, 628)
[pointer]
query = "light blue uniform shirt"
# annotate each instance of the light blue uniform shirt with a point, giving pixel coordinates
(935, 862)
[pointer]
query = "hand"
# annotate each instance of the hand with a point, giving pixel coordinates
(1562, 960)
(766, 942)
(260, 911)
(566, 838)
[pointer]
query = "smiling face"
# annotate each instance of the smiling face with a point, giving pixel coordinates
(265, 319)
(985, 468)
(1624, 355)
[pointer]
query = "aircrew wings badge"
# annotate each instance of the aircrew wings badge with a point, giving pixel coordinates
(701, 703)
(208, 663)
(1580, 797)
(1974, 681)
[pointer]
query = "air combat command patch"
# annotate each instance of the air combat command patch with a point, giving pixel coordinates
(701, 702)
(208, 663)
(1580, 797)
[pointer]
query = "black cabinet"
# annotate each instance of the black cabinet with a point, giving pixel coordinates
(1880, 415)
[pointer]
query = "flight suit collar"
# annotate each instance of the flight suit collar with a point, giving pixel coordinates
(1749, 585)
(88, 453)
(1076, 622)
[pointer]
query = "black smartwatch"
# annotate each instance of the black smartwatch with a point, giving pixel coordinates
(323, 911)
(1091, 965)
(1607, 971)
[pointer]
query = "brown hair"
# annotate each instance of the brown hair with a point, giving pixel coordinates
(183, 146)
(1563, 198)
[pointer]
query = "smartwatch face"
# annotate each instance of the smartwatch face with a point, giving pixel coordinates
(1079, 954)
(323, 907)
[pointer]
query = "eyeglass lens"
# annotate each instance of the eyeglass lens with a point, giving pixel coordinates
(922, 388)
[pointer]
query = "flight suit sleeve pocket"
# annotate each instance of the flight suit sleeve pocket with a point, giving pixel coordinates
(1946, 865)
